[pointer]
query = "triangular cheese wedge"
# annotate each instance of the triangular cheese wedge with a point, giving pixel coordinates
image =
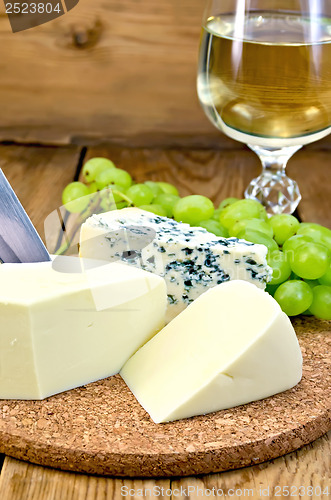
(231, 346)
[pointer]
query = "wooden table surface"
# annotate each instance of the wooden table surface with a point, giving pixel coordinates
(38, 175)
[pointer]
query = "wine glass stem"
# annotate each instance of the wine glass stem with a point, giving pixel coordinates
(274, 160)
(277, 192)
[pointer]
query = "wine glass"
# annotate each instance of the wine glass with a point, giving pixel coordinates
(264, 78)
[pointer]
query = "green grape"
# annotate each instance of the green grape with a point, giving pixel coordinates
(216, 215)
(214, 227)
(154, 187)
(259, 238)
(121, 204)
(114, 193)
(193, 209)
(93, 188)
(140, 194)
(94, 166)
(310, 260)
(321, 305)
(284, 226)
(107, 204)
(294, 297)
(271, 289)
(294, 242)
(318, 233)
(255, 224)
(74, 197)
(226, 202)
(307, 313)
(168, 188)
(155, 209)
(111, 198)
(326, 278)
(73, 191)
(167, 201)
(312, 283)
(261, 209)
(108, 199)
(242, 209)
(113, 176)
(281, 269)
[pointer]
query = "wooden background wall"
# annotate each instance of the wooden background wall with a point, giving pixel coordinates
(108, 69)
(119, 71)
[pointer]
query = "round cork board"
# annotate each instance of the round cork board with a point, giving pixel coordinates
(101, 429)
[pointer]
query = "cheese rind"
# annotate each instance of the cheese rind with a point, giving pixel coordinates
(190, 259)
(53, 337)
(231, 346)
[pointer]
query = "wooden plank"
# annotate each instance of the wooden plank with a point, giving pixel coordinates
(307, 467)
(310, 168)
(20, 480)
(112, 70)
(105, 70)
(38, 176)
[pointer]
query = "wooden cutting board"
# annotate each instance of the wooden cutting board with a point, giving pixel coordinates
(101, 429)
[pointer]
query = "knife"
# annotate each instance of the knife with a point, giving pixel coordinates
(19, 240)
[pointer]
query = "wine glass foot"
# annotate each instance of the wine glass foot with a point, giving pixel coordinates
(277, 192)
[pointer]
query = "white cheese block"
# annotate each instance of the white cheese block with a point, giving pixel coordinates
(190, 259)
(53, 338)
(231, 346)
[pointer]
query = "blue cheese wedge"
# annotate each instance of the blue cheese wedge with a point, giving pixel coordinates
(190, 259)
(233, 345)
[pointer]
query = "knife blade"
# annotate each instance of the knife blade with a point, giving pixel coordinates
(19, 240)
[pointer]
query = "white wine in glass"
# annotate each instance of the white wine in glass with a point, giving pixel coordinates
(264, 78)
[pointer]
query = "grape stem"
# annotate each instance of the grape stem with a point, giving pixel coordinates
(125, 198)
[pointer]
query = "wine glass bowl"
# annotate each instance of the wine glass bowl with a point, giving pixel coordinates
(264, 79)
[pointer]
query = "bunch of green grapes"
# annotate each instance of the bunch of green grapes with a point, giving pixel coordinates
(298, 253)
